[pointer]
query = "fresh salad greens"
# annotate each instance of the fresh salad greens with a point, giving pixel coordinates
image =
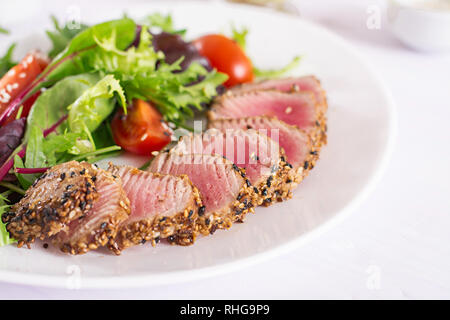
(4, 235)
(163, 22)
(61, 36)
(91, 79)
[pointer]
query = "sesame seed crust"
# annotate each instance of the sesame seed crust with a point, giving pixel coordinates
(107, 227)
(55, 199)
(234, 212)
(180, 228)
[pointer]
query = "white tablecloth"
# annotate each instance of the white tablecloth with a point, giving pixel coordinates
(397, 244)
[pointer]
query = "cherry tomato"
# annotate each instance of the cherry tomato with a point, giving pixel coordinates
(142, 130)
(19, 78)
(226, 56)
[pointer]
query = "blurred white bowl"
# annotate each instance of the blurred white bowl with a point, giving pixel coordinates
(421, 24)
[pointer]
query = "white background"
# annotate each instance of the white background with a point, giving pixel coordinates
(395, 245)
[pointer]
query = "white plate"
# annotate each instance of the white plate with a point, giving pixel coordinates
(361, 130)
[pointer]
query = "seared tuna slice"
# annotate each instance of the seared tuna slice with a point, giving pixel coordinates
(295, 143)
(226, 193)
(101, 223)
(260, 156)
(306, 83)
(63, 194)
(298, 109)
(162, 206)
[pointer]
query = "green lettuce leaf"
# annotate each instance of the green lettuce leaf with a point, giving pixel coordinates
(70, 61)
(136, 70)
(5, 239)
(52, 103)
(94, 106)
(61, 36)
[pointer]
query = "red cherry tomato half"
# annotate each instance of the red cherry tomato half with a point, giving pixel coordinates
(142, 130)
(226, 56)
(19, 78)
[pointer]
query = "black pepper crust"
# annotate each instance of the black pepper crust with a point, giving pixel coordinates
(178, 229)
(62, 194)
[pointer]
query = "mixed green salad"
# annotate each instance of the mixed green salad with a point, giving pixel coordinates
(117, 85)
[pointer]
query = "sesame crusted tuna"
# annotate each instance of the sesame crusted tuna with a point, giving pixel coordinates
(295, 143)
(63, 194)
(101, 222)
(260, 156)
(305, 83)
(162, 206)
(298, 109)
(226, 192)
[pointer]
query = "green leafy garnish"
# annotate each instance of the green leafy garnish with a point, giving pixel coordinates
(240, 36)
(165, 23)
(4, 31)
(94, 106)
(88, 101)
(97, 70)
(5, 239)
(136, 70)
(6, 62)
(61, 37)
(276, 73)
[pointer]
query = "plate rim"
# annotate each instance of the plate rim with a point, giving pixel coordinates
(183, 276)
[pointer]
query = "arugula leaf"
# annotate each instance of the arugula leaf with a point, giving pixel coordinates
(3, 30)
(94, 106)
(165, 23)
(5, 239)
(6, 62)
(61, 37)
(276, 73)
